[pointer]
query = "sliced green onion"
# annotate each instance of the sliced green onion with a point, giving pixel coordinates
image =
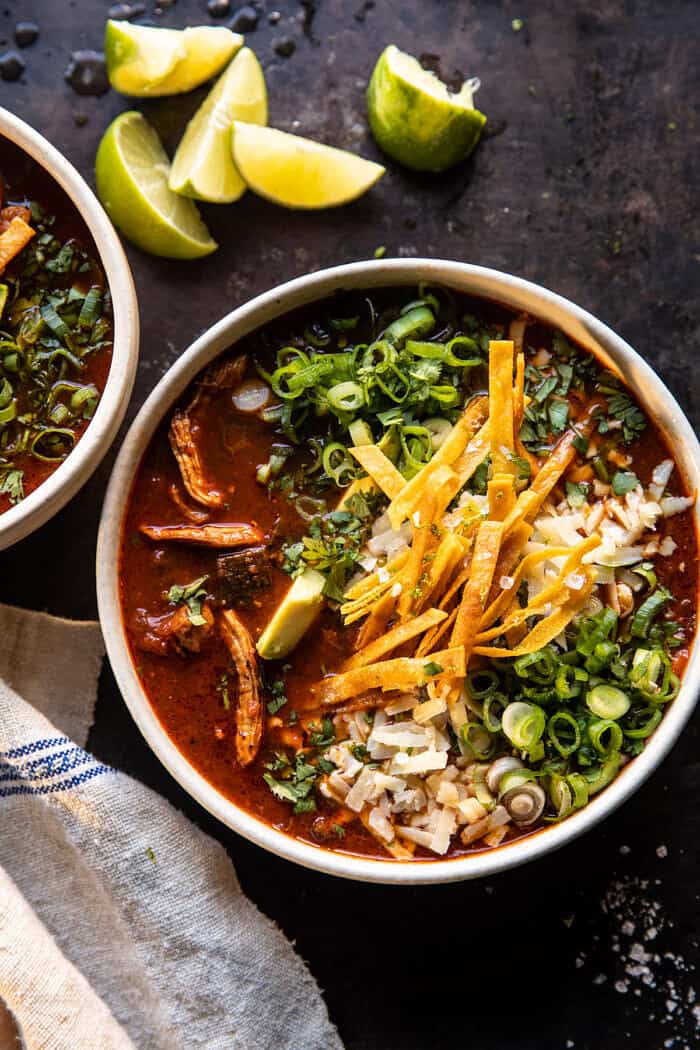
(429, 351)
(53, 444)
(57, 325)
(439, 429)
(651, 675)
(89, 311)
(607, 701)
(418, 321)
(481, 684)
(360, 432)
(8, 413)
(469, 349)
(605, 735)
(523, 724)
(600, 776)
(539, 667)
(478, 739)
(643, 723)
(514, 778)
(346, 397)
(648, 611)
(493, 708)
(564, 733)
(338, 464)
(569, 681)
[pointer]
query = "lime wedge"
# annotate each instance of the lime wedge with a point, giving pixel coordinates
(203, 165)
(131, 171)
(296, 172)
(142, 60)
(416, 119)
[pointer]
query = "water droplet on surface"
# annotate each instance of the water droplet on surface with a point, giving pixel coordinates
(26, 33)
(274, 17)
(284, 47)
(12, 65)
(122, 12)
(218, 8)
(87, 73)
(245, 20)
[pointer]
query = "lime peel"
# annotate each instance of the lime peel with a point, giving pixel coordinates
(131, 172)
(416, 119)
(203, 165)
(297, 172)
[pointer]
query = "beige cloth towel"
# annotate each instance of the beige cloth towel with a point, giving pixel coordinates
(121, 924)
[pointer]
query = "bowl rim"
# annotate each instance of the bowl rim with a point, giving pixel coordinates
(53, 493)
(470, 279)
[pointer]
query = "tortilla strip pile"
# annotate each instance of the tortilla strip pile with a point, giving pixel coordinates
(453, 595)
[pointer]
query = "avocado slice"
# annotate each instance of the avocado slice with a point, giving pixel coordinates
(4, 292)
(293, 616)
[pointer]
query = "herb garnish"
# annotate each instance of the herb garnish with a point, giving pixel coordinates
(191, 595)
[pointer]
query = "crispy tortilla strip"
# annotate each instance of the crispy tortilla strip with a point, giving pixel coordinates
(249, 710)
(530, 501)
(403, 505)
(448, 555)
(478, 586)
(16, 237)
(402, 673)
(359, 487)
(500, 605)
(376, 622)
(501, 491)
(219, 535)
(394, 638)
(509, 555)
(474, 454)
(546, 630)
(501, 405)
(381, 470)
(415, 567)
(518, 393)
(432, 637)
(556, 593)
(363, 587)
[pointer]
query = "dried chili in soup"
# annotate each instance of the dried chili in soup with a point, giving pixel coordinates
(55, 327)
(405, 574)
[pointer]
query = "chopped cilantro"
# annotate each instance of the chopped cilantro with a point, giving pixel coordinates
(339, 830)
(576, 494)
(432, 668)
(191, 595)
(12, 485)
(279, 697)
(624, 481)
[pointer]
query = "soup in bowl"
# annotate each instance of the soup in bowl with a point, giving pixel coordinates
(405, 573)
(68, 330)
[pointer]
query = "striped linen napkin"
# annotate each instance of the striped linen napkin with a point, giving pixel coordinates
(121, 924)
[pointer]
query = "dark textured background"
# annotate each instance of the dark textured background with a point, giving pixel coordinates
(588, 183)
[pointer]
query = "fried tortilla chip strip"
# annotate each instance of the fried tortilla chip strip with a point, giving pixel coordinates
(380, 469)
(501, 405)
(16, 237)
(402, 673)
(399, 635)
(408, 499)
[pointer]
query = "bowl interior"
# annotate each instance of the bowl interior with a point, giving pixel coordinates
(68, 477)
(552, 310)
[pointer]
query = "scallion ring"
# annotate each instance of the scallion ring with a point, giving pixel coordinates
(523, 724)
(564, 733)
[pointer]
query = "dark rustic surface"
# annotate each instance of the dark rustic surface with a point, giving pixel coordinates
(587, 183)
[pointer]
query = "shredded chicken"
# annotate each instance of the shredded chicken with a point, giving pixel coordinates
(219, 535)
(249, 712)
(198, 517)
(190, 463)
(175, 630)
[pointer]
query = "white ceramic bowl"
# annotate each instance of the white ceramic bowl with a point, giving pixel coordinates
(59, 487)
(474, 280)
